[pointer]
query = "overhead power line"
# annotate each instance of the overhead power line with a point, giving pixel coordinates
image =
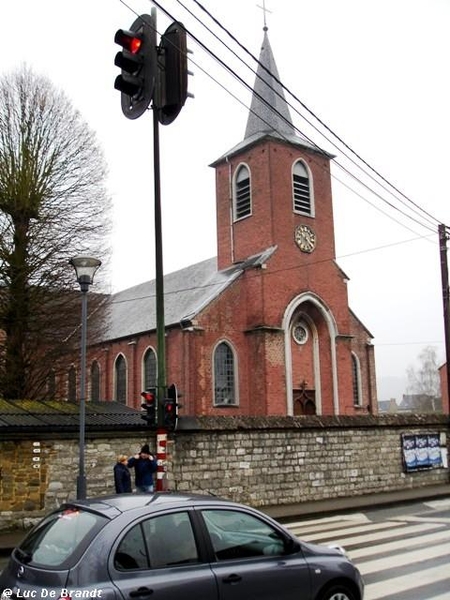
(412, 205)
(313, 114)
(428, 225)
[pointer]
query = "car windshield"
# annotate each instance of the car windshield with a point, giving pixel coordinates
(60, 538)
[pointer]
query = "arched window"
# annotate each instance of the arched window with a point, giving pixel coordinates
(95, 382)
(224, 375)
(51, 385)
(150, 369)
(356, 380)
(242, 193)
(120, 394)
(302, 190)
(72, 385)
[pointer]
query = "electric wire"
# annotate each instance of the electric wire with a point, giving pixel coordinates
(322, 123)
(272, 272)
(343, 183)
(220, 62)
(336, 178)
(270, 107)
(302, 134)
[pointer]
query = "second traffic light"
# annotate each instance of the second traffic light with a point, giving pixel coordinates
(172, 75)
(138, 63)
(149, 407)
(170, 408)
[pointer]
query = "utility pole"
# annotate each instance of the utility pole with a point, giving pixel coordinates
(443, 237)
(161, 433)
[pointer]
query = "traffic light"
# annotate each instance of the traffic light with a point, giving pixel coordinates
(150, 407)
(172, 73)
(171, 408)
(138, 63)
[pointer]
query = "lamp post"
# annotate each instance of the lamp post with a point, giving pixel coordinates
(85, 269)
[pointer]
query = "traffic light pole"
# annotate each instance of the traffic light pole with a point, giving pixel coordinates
(159, 74)
(161, 433)
(443, 237)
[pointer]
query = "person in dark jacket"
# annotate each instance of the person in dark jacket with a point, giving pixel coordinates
(144, 465)
(122, 476)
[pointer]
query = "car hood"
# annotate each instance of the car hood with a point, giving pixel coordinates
(320, 550)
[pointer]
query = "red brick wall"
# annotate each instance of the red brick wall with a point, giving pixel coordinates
(251, 313)
(273, 220)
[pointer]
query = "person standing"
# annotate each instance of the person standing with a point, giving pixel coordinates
(144, 465)
(122, 476)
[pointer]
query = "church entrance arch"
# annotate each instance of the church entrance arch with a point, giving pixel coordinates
(310, 332)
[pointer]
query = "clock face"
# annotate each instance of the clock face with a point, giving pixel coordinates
(305, 238)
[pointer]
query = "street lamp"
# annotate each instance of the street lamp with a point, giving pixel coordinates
(85, 269)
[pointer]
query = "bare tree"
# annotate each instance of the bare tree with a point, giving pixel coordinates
(424, 381)
(53, 206)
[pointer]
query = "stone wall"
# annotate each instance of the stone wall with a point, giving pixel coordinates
(317, 459)
(260, 461)
(38, 475)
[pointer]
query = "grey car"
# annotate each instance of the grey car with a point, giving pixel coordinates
(172, 546)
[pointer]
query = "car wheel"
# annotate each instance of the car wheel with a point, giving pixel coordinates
(337, 592)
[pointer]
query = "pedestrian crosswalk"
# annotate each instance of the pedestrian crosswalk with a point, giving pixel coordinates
(404, 557)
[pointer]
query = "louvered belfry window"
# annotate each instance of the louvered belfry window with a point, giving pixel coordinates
(242, 194)
(301, 189)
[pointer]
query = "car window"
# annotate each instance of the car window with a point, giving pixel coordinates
(170, 540)
(60, 538)
(131, 552)
(236, 534)
(163, 541)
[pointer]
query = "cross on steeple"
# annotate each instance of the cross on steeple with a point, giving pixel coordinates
(265, 10)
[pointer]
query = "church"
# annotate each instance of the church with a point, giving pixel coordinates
(264, 328)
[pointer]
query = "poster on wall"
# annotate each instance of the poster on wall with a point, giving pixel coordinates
(421, 451)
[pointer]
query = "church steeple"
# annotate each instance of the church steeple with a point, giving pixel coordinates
(269, 116)
(269, 112)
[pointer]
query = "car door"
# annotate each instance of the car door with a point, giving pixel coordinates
(159, 557)
(254, 560)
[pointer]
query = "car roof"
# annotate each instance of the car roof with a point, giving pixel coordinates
(112, 506)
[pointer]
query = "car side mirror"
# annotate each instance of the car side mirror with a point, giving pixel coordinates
(291, 546)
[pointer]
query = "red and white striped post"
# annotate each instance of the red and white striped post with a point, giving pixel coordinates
(161, 459)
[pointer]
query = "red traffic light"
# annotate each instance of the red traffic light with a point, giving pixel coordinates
(137, 61)
(128, 41)
(149, 397)
(149, 407)
(170, 414)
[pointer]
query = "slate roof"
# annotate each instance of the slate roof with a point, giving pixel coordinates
(186, 293)
(18, 416)
(269, 116)
(269, 110)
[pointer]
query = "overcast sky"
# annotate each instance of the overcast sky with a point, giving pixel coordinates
(374, 71)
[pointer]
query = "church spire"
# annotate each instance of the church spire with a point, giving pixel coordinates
(269, 115)
(269, 112)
